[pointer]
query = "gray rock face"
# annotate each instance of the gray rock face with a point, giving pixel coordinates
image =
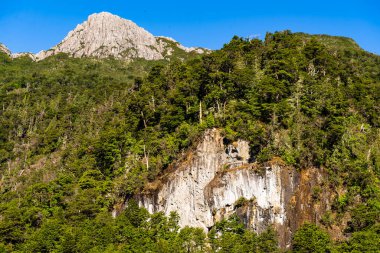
(216, 180)
(106, 35)
(206, 188)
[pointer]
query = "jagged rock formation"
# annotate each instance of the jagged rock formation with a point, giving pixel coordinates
(4, 49)
(18, 55)
(198, 50)
(216, 180)
(106, 35)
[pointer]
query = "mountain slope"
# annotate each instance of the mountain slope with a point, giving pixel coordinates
(106, 35)
(297, 119)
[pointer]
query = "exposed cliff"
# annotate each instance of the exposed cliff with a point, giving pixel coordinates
(216, 180)
(106, 35)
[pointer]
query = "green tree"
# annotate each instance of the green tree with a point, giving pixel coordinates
(310, 238)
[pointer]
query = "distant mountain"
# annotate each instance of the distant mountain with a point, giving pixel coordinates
(106, 35)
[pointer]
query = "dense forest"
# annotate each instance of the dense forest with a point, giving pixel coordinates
(76, 136)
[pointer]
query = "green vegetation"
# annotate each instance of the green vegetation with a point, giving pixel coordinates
(79, 136)
(310, 238)
(229, 236)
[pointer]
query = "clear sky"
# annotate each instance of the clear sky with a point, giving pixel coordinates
(34, 25)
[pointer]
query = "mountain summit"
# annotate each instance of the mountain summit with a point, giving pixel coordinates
(106, 35)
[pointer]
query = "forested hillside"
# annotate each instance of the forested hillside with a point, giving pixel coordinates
(80, 136)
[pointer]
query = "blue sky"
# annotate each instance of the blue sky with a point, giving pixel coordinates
(34, 25)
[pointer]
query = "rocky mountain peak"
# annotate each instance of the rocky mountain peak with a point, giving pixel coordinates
(103, 14)
(106, 35)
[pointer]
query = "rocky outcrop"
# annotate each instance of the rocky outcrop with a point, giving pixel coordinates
(4, 49)
(18, 55)
(216, 180)
(106, 35)
(198, 50)
(184, 189)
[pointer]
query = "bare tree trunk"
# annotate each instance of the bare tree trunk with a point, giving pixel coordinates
(154, 105)
(200, 112)
(218, 106)
(146, 158)
(142, 114)
(224, 108)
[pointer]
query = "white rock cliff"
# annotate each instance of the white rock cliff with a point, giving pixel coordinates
(216, 180)
(106, 35)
